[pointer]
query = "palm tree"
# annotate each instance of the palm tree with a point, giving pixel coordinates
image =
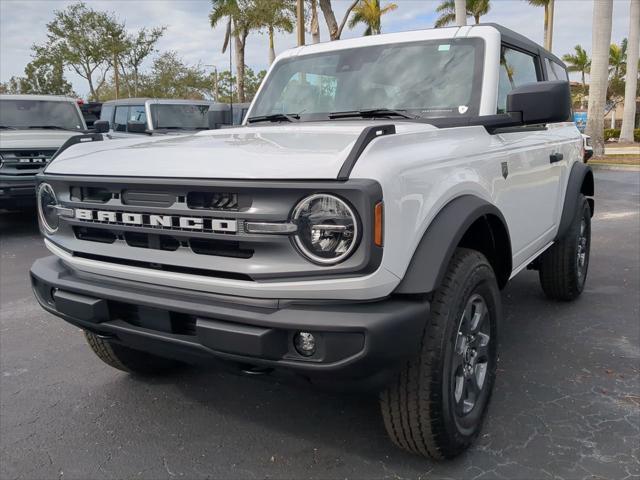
(548, 20)
(240, 21)
(335, 30)
(447, 11)
(629, 114)
(618, 59)
(274, 15)
(369, 13)
(602, 19)
(578, 62)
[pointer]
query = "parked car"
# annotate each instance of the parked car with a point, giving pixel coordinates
(588, 148)
(133, 116)
(32, 128)
(356, 231)
(90, 111)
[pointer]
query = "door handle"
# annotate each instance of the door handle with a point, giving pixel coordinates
(555, 157)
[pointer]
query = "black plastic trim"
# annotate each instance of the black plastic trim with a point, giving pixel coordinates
(364, 139)
(390, 329)
(580, 181)
(89, 137)
(437, 246)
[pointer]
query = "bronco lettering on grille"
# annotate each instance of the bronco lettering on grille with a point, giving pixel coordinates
(162, 221)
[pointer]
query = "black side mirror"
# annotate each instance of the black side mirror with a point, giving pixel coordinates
(101, 126)
(136, 127)
(217, 118)
(541, 102)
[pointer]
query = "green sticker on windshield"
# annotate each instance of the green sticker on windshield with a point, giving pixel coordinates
(444, 48)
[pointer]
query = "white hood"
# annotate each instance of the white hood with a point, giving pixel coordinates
(34, 138)
(289, 151)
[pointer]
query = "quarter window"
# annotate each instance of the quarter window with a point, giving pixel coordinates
(120, 120)
(555, 71)
(516, 69)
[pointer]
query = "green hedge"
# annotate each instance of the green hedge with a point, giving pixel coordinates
(615, 133)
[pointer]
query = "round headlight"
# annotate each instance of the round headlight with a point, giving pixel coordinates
(327, 229)
(47, 212)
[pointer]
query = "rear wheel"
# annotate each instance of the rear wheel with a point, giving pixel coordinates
(127, 359)
(437, 405)
(564, 266)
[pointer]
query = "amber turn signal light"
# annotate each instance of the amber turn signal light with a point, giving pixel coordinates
(378, 224)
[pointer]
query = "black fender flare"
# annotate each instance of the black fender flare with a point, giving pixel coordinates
(580, 181)
(438, 244)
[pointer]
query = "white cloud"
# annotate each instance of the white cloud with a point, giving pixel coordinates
(23, 23)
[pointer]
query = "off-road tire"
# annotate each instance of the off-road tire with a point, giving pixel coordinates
(127, 359)
(417, 410)
(561, 275)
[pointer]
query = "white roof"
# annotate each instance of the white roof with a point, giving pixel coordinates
(51, 98)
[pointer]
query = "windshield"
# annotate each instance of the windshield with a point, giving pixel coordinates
(436, 78)
(180, 116)
(23, 114)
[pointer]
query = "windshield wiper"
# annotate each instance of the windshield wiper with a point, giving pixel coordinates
(275, 117)
(53, 127)
(373, 113)
(6, 127)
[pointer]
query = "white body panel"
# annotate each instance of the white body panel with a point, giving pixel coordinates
(420, 168)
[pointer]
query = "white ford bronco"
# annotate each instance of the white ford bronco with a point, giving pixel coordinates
(32, 128)
(355, 231)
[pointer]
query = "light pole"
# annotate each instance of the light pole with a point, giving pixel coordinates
(300, 14)
(216, 90)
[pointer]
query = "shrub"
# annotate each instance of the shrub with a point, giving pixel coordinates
(615, 133)
(611, 133)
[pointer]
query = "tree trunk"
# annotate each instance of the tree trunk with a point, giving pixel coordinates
(135, 82)
(613, 118)
(240, 42)
(116, 75)
(272, 48)
(315, 25)
(477, 19)
(548, 34)
(300, 22)
(629, 115)
(335, 30)
(461, 12)
(602, 18)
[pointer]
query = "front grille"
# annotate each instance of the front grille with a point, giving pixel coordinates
(192, 199)
(24, 162)
(199, 246)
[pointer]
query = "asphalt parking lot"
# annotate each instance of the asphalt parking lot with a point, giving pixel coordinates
(566, 404)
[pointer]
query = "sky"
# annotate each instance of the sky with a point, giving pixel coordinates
(23, 23)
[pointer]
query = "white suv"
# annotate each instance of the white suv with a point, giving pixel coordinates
(32, 128)
(356, 230)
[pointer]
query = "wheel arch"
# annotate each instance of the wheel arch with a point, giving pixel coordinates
(581, 181)
(466, 221)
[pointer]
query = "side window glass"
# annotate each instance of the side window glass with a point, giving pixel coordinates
(516, 68)
(556, 72)
(106, 113)
(137, 113)
(120, 120)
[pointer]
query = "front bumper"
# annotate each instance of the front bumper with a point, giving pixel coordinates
(18, 190)
(356, 341)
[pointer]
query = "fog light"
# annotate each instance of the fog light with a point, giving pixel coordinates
(305, 343)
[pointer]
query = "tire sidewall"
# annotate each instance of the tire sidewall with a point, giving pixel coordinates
(480, 280)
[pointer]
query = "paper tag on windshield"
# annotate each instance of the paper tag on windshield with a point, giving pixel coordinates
(462, 109)
(444, 48)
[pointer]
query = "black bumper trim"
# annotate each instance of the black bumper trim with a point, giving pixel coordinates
(355, 340)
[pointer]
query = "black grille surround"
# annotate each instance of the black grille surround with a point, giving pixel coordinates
(25, 161)
(258, 257)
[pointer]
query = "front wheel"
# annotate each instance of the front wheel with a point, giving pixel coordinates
(437, 405)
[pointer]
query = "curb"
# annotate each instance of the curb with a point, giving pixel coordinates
(614, 166)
